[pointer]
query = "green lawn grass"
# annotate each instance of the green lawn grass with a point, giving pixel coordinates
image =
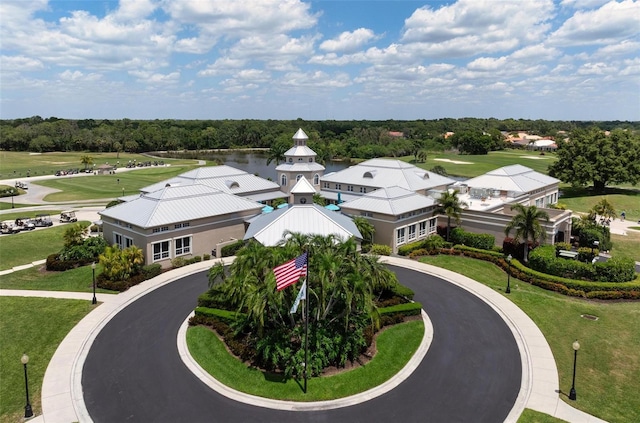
(29, 246)
(15, 164)
(608, 368)
(35, 326)
(626, 246)
(396, 346)
(531, 416)
(36, 278)
(109, 186)
(481, 164)
(583, 199)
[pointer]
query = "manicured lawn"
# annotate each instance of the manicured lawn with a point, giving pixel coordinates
(582, 200)
(109, 186)
(626, 245)
(481, 164)
(396, 346)
(16, 164)
(26, 247)
(35, 278)
(608, 368)
(35, 326)
(531, 416)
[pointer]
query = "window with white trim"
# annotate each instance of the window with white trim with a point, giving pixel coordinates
(183, 245)
(117, 239)
(350, 188)
(298, 177)
(283, 180)
(422, 228)
(161, 250)
(400, 234)
(412, 232)
(316, 179)
(432, 226)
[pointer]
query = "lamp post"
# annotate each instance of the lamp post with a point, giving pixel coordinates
(123, 191)
(93, 272)
(13, 193)
(576, 347)
(28, 412)
(595, 245)
(508, 290)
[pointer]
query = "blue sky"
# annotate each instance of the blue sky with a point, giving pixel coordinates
(316, 60)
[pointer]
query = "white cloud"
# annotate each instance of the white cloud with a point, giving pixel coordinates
(19, 63)
(612, 23)
(583, 4)
(348, 42)
(316, 79)
(155, 78)
(470, 27)
(77, 76)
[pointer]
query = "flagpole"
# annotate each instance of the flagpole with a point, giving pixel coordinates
(306, 324)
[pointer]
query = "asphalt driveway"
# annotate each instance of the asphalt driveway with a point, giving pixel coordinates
(471, 372)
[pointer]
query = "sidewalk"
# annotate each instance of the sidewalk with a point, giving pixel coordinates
(62, 399)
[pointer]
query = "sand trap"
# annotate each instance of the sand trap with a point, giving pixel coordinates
(534, 157)
(452, 161)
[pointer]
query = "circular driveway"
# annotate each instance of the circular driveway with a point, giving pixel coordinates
(472, 371)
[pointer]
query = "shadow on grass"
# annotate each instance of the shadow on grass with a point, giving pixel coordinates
(574, 192)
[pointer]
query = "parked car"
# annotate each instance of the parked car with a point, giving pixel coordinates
(42, 221)
(68, 216)
(21, 185)
(25, 224)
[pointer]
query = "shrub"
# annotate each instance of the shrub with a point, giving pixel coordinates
(226, 316)
(231, 249)
(380, 250)
(178, 262)
(206, 257)
(481, 241)
(562, 246)
(404, 250)
(615, 270)
(151, 271)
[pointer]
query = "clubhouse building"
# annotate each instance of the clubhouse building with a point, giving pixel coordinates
(202, 210)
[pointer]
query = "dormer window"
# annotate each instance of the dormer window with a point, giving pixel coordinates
(369, 174)
(290, 160)
(310, 159)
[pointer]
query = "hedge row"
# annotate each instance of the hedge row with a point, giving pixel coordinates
(571, 287)
(543, 259)
(225, 316)
(54, 264)
(430, 243)
(482, 241)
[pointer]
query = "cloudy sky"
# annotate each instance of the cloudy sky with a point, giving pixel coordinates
(316, 60)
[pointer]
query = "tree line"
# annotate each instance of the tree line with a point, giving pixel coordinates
(329, 138)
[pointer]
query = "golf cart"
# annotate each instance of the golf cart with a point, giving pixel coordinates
(68, 216)
(42, 221)
(24, 224)
(7, 227)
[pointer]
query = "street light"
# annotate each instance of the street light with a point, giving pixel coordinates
(576, 347)
(508, 291)
(93, 271)
(28, 412)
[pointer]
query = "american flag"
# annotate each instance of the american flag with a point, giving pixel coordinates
(290, 272)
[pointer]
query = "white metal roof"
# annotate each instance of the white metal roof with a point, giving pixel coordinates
(300, 151)
(269, 229)
(300, 135)
(303, 186)
(515, 178)
(300, 167)
(224, 178)
(382, 173)
(392, 201)
(178, 204)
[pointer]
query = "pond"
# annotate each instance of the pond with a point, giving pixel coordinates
(251, 162)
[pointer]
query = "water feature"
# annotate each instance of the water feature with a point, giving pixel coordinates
(256, 162)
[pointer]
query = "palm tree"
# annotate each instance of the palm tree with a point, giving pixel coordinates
(452, 206)
(527, 225)
(366, 229)
(605, 209)
(86, 161)
(276, 151)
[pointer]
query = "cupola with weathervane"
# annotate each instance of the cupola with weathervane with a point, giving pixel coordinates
(300, 161)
